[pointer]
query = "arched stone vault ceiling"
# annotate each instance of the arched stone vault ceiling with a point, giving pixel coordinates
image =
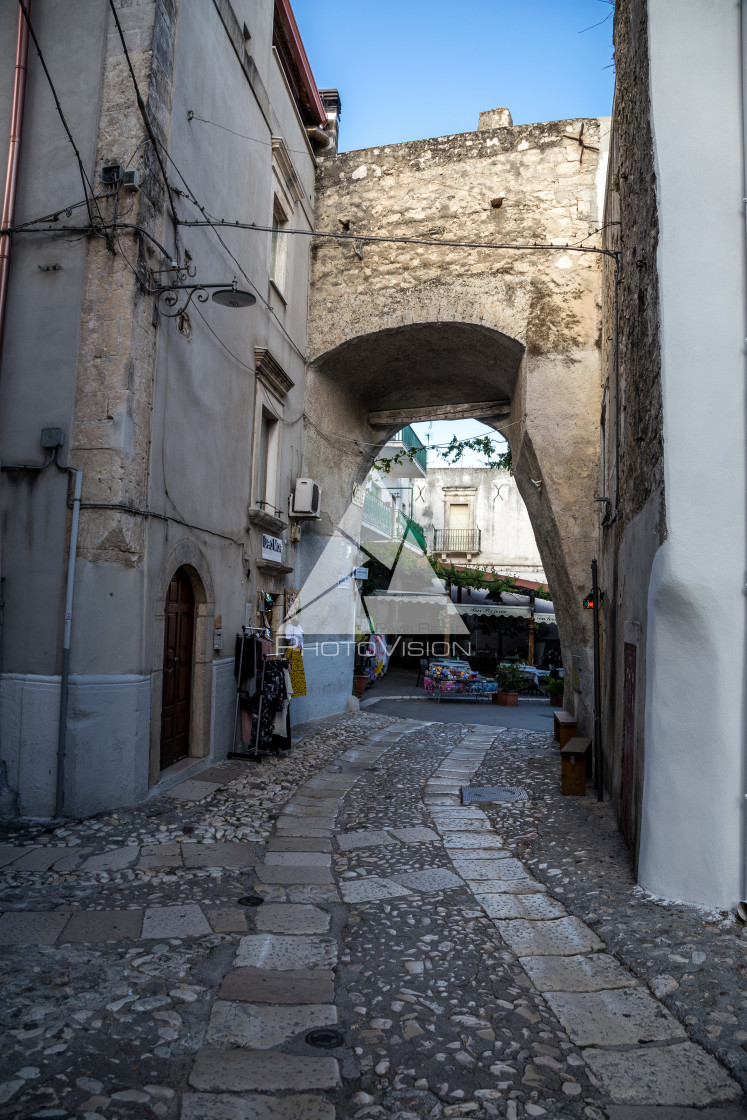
(401, 326)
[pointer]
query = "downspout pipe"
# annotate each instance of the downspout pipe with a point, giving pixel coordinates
(14, 158)
(742, 907)
(65, 667)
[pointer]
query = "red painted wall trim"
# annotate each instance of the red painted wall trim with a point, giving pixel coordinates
(288, 20)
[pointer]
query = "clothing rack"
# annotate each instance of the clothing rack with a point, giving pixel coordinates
(245, 632)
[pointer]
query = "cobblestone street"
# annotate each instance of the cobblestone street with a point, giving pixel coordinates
(478, 960)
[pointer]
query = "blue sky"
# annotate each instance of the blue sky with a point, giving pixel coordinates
(410, 69)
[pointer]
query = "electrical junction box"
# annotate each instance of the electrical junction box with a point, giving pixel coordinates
(217, 639)
(52, 437)
(306, 499)
(131, 179)
(111, 173)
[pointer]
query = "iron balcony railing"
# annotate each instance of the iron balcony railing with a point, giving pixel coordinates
(456, 540)
(377, 514)
(413, 444)
(390, 520)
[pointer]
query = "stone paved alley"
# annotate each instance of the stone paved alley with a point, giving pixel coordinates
(478, 961)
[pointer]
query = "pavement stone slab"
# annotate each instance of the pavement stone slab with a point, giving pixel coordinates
(115, 860)
(665, 1112)
(682, 1074)
(153, 856)
(72, 859)
(286, 951)
(37, 859)
(564, 936)
(461, 855)
(464, 840)
(415, 835)
(484, 868)
(297, 859)
(294, 873)
(533, 907)
(31, 927)
(224, 853)
(301, 826)
(222, 1106)
(227, 919)
(223, 774)
(103, 925)
(280, 917)
(591, 973)
(372, 888)
(298, 844)
(265, 985)
(621, 1017)
(347, 841)
(260, 1026)
(193, 789)
(175, 921)
(242, 1070)
(314, 811)
(430, 879)
(503, 868)
(451, 824)
(9, 853)
(483, 889)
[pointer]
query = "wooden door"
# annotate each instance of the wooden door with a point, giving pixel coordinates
(176, 699)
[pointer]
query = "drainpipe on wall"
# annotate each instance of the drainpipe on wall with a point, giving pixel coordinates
(742, 908)
(14, 156)
(65, 668)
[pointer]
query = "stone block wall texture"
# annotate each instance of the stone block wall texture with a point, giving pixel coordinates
(394, 324)
(111, 436)
(635, 483)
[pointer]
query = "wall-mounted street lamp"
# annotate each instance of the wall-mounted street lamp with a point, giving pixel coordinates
(169, 296)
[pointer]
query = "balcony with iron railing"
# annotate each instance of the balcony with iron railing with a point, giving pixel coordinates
(392, 522)
(412, 453)
(457, 540)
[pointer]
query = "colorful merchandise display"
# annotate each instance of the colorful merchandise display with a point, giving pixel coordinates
(457, 680)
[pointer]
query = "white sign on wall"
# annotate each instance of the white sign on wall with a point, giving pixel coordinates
(272, 548)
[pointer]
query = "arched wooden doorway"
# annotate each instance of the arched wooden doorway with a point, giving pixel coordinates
(178, 647)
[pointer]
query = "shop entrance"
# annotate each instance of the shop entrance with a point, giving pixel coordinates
(176, 699)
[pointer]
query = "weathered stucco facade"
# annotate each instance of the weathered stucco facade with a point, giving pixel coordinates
(163, 416)
(406, 327)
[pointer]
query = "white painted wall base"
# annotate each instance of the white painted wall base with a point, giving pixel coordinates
(107, 741)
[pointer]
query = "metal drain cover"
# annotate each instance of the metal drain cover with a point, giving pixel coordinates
(493, 793)
(325, 1038)
(251, 900)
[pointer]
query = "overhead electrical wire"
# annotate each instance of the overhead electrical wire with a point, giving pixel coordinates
(148, 125)
(83, 174)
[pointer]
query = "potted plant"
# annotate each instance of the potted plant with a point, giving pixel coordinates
(509, 678)
(554, 688)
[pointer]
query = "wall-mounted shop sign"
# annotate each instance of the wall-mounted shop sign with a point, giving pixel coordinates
(272, 548)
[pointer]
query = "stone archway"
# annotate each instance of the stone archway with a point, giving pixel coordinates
(455, 365)
(400, 327)
(188, 558)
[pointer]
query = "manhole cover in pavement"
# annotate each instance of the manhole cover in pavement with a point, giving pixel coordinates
(251, 900)
(325, 1038)
(493, 793)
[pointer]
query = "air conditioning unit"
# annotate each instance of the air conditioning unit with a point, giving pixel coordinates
(306, 499)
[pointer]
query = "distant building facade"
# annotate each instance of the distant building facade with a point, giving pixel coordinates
(475, 516)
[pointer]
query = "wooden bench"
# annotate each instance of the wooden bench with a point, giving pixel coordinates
(564, 727)
(575, 766)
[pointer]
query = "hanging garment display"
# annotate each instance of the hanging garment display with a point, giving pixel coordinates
(268, 703)
(297, 674)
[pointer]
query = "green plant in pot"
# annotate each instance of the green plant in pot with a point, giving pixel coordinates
(509, 678)
(554, 688)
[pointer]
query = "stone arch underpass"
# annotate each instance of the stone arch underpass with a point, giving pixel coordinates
(397, 329)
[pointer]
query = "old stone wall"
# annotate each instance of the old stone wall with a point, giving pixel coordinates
(395, 325)
(111, 437)
(633, 521)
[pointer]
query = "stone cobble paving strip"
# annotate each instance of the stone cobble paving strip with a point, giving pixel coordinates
(432, 935)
